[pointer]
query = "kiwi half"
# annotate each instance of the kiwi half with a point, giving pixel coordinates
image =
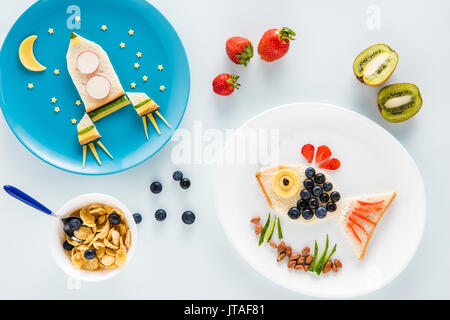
(375, 65)
(399, 102)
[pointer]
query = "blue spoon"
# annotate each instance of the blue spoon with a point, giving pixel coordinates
(70, 224)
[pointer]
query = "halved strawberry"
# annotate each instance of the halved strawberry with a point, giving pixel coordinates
(366, 203)
(323, 153)
(308, 152)
(331, 164)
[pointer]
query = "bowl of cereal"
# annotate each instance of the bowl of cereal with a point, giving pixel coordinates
(106, 239)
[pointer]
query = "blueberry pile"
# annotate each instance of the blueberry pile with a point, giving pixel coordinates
(317, 198)
(188, 217)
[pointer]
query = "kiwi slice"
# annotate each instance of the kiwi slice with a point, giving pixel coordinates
(399, 102)
(375, 65)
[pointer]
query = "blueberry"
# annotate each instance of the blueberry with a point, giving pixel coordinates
(327, 186)
(317, 191)
(114, 218)
(308, 183)
(321, 212)
(188, 217)
(305, 194)
(310, 172)
(294, 213)
(160, 215)
(67, 245)
(177, 175)
(307, 214)
(313, 203)
(335, 196)
(156, 187)
(331, 207)
(302, 204)
(137, 218)
(185, 183)
(324, 198)
(89, 254)
(319, 178)
(74, 224)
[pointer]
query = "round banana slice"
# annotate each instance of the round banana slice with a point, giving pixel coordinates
(286, 183)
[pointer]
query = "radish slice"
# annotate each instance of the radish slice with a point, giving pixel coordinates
(88, 62)
(98, 87)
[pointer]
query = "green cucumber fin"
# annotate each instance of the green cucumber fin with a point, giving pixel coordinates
(116, 104)
(269, 231)
(85, 130)
(263, 232)
(316, 252)
(280, 233)
(142, 103)
(320, 263)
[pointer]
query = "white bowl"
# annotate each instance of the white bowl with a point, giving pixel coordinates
(57, 237)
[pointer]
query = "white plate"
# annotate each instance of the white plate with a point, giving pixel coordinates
(372, 161)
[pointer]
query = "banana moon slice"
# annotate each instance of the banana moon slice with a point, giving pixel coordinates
(26, 55)
(286, 183)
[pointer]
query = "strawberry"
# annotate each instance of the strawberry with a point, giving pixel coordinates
(323, 153)
(224, 84)
(331, 164)
(274, 43)
(308, 152)
(239, 50)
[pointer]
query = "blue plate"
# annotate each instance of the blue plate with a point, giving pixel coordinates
(51, 136)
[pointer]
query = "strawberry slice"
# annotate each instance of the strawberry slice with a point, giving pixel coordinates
(323, 153)
(349, 225)
(365, 203)
(331, 164)
(364, 218)
(308, 152)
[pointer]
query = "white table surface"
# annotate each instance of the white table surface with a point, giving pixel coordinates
(175, 261)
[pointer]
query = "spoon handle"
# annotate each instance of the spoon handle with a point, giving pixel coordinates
(16, 193)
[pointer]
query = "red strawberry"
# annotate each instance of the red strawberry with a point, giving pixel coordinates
(239, 50)
(323, 153)
(224, 84)
(308, 152)
(331, 164)
(274, 43)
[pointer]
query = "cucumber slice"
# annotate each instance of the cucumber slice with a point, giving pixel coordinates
(263, 232)
(270, 229)
(280, 233)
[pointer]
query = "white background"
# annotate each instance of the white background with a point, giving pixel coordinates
(197, 262)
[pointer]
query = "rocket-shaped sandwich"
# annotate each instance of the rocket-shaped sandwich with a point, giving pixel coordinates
(144, 106)
(94, 77)
(87, 136)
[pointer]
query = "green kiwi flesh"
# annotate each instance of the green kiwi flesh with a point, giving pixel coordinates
(375, 65)
(399, 102)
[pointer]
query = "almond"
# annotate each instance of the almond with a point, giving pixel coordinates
(334, 268)
(306, 268)
(291, 264)
(338, 263)
(255, 219)
(288, 251)
(327, 267)
(298, 267)
(294, 256)
(273, 244)
(281, 247)
(301, 260)
(306, 251)
(281, 256)
(258, 229)
(308, 259)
